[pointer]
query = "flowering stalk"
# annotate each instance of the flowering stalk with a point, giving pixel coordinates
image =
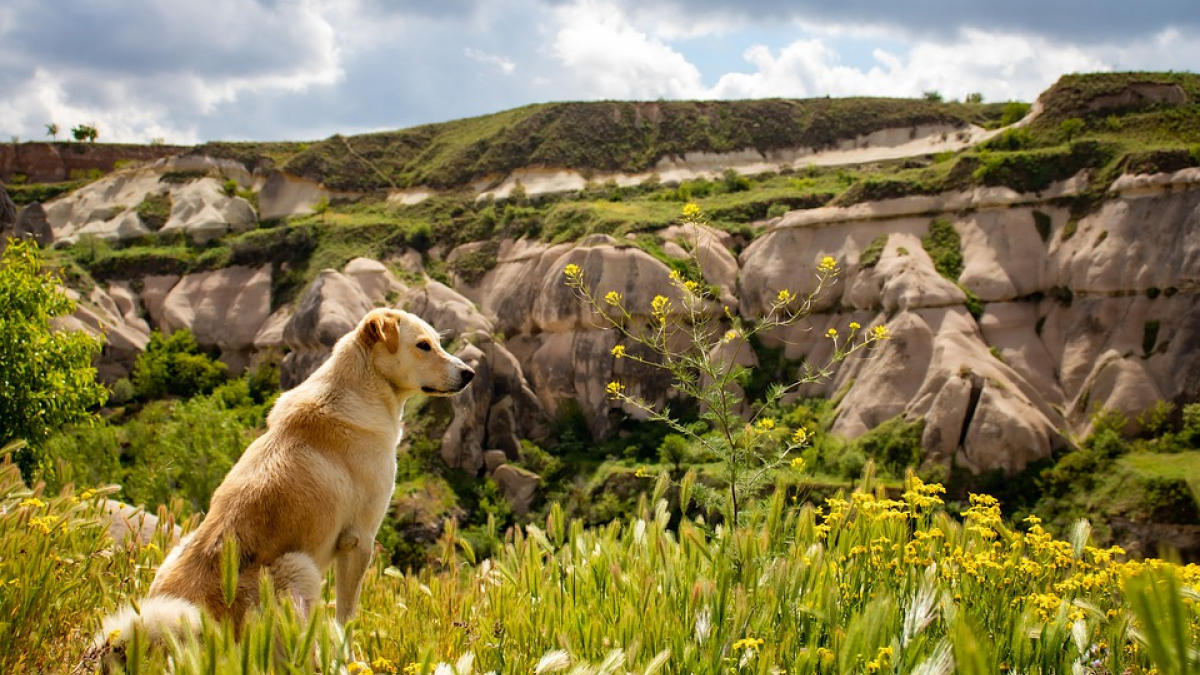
(699, 346)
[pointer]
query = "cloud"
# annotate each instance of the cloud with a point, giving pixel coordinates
(505, 66)
(606, 56)
(143, 67)
(1002, 66)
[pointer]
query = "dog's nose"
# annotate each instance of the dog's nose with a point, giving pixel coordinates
(467, 375)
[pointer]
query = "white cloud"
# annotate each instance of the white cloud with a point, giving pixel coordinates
(1000, 66)
(606, 56)
(505, 66)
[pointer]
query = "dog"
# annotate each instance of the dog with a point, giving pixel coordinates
(309, 494)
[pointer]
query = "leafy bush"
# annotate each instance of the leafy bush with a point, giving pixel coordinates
(944, 246)
(895, 444)
(871, 254)
(175, 366)
(48, 377)
(1014, 111)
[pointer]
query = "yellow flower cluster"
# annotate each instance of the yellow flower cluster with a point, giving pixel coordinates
(748, 643)
(573, 271)
(882, 659)
(692, 212)
(828, 265)
(614, 389)
(613, 298)
(33, 502)
(619, 351)
(766, 424)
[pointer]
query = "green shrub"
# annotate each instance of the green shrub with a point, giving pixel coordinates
(48, 379)
(1014, 111)
(676, 451)
(871, 254)
(175, 366)
(155, 210)
(944, 246)
(895, 444)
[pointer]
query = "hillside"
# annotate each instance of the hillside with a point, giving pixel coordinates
(1039, 280)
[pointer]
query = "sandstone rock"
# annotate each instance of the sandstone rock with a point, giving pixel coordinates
(155, 289)
(492, 459)
(32, 224)
(93, 208)
(283, 195)
(446, 310)
(374, 278)
(330, 308)
(502, 430)
(1115, 383)
(463, 442)
(203, 210)
(519, 486)
(223, 308)
(123, 340)
(1004, 435)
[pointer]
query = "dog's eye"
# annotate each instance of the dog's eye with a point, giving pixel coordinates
(424, 346)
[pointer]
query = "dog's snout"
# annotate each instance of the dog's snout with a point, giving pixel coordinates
(467, 375)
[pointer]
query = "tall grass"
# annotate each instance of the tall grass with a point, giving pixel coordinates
(861, 584)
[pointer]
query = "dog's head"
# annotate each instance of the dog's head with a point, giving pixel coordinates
(408, 353)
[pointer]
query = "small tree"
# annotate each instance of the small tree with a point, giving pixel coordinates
(46, 377)
(52, 131)
(699, 348)
(85, 132)
(932, 95)
(1071, 127)
(974, 98)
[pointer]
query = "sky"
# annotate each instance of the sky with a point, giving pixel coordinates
(189, 71)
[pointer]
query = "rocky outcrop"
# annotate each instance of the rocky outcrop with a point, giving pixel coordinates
(54, 162)
(114, 317)
(8, 211)
(224, 308)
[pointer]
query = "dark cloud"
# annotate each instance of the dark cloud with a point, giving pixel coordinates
(1090, 22)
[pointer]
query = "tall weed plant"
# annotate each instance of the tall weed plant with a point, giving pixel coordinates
(700, 344)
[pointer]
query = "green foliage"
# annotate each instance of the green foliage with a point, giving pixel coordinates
(871, 254)
(944, 246)
(895, 444)
(1071, 127)
(676, 451)
(84, 132)
(168, 451)
(679, 336)
(1014, 111)
(1010, 140)
(46, 377)
(155, 210)
(175, 366)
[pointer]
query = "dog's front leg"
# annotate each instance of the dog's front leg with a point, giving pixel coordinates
(353, 556)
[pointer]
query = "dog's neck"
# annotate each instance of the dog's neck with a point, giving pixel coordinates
(349, 375)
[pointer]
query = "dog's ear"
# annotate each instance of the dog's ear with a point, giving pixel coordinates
(381, 328)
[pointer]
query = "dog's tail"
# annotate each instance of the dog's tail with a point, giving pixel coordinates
(150, 623)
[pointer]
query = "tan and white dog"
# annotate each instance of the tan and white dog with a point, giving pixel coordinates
(308, 494)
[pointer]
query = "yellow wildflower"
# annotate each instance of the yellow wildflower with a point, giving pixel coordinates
(359, 668)
(798, 463)
(614, 389)
(660, 305)
(33, 502)
(412, 668)
(784, 297)
(800, 436)
(748, 643)
(854, 325)
(44, 523)
(730, 334)
(641, 473)
(619, 351)
(880, 332)
(831, 333)
(380, 664)
(573, 271)
(828, 264)
(766, 423)
(613, 298)
(692, 212)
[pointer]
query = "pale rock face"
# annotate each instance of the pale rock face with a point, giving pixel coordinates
(331, 307)
(202, 210)
(446, 310)
(155, 289)
(225, 308)
(1115, 383)
(519, 486)
(97, 208)
(124, 334)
